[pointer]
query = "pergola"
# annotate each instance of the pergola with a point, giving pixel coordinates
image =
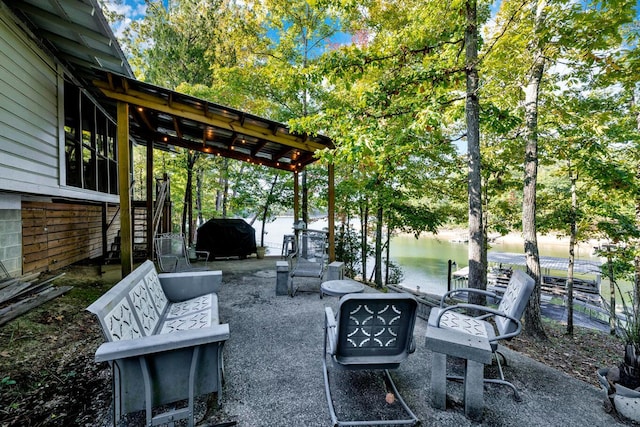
(78, 35)
(160, 118)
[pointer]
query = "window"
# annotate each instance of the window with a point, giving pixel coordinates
(90, 144)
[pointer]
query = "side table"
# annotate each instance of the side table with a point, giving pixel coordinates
(341, 287)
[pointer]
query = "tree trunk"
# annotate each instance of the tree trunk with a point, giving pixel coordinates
(187, 208)
(305, 198)
(219, 194)
(612, 293)
(379, 223)
(572, 245)
(386, 273)
(199, 196)
(364, 227)
(533, 321)
(477, 269)
(225, 192)
(485, 225)
(267, 204)
(636, 259)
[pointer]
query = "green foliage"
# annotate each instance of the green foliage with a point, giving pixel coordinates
(392, 99)
(630, 325)
(348, 249)
(6, 382)
(395, 273)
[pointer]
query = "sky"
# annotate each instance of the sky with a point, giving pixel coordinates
(130, 9)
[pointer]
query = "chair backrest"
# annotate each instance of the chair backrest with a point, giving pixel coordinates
(311, 258)
(171, 252)
(514, 301)
(375, 328)
(312, 245)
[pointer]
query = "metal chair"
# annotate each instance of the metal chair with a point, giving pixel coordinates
(288, 245)
(370, 332)
(310, 258)
(172, 254)
(506, 319)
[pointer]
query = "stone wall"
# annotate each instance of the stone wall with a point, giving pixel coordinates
(11, 240)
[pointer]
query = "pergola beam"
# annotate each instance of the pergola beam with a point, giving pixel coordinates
(230, 153)
(176, 108)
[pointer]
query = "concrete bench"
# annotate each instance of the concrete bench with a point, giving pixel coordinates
(164, 341)
(476, 352)
(475, 339)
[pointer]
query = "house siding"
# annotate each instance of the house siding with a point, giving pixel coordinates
(29, 148)
(31, 120)
(44, 223)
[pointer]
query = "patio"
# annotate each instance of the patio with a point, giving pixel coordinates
(274, 371)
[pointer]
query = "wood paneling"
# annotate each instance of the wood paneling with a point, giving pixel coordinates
(59, 234)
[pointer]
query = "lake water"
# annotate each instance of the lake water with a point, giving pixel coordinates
(423, 260)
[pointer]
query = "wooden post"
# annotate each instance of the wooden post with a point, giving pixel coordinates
(150, 194)
(124, 179)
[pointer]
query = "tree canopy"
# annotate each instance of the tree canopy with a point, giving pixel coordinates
(555, 83)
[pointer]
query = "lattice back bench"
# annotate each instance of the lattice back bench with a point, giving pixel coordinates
(164, 340)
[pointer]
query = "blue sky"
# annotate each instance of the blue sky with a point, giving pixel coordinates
(135, 9)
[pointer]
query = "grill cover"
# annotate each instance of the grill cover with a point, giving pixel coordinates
(226, 238)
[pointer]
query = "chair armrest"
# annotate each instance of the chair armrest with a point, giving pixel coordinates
(190, 284)
(161, 343)
(203, 253)
(489, 313)
(330, 329)
(467, 291)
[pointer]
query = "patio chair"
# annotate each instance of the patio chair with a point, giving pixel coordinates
(370, 332)
(310, 258)
(506, 319)
(172, 254)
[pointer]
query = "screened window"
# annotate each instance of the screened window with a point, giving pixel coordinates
(90, 144)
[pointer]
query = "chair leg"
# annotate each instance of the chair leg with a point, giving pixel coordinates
(413, 420)
(498, 381)
(327, 389)
(502, 381)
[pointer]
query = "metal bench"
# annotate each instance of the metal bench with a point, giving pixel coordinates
(164, 341)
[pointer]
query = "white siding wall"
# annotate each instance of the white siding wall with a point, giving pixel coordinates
(29, 149)
(31, 123)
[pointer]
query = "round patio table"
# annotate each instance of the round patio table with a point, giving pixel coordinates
(339, 288)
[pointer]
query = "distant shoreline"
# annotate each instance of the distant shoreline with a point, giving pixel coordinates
(513, 238)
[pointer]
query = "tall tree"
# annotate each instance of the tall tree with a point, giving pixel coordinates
(176, 45)
(477, 268)
(395, 106)
(533, 320)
